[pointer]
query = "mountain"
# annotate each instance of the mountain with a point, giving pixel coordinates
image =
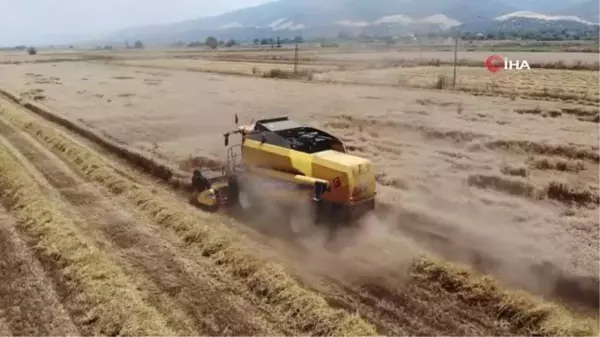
(311, 18)
(530, 24)
(316, 18)
(588, 10)
(542, 6)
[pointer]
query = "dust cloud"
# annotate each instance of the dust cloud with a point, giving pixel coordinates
(381, 246)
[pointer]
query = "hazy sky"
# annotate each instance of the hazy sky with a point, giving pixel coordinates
(29, 21)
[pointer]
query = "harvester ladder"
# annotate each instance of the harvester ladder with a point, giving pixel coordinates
(234, 156)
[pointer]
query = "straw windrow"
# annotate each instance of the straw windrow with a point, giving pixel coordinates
(104, 299)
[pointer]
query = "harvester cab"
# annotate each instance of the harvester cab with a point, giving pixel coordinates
(213, 192)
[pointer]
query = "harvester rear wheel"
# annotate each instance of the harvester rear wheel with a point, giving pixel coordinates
(244, 199)
(302, 219)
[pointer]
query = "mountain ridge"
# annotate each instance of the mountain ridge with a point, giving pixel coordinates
(313, 18)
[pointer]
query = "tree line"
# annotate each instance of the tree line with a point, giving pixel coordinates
(215, 43)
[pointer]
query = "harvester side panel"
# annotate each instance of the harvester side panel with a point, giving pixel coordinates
(339, 169)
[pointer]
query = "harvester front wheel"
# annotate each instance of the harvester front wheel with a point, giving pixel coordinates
(241, 196)
(244, 199)
(302, 219)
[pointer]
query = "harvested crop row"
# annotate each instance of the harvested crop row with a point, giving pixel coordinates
(25, 288)
(525, 312)
(520, 187)
(538, 316)
(205, 301)
(112, 303)
(4, 329)
(305, 310)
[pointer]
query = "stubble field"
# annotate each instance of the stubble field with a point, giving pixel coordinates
(505, 185)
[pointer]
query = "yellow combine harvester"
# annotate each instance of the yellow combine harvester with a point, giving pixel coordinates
(285, 163)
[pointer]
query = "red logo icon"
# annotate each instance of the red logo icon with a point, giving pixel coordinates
(337, 183)
(494, 63)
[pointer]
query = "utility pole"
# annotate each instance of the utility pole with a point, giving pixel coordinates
(296, 58)
(455, 58)
(420, 50)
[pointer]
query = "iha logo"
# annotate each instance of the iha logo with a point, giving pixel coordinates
(496, 63)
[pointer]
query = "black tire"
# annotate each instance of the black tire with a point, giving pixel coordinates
(243, 198)
(302, 221)
(233, 190)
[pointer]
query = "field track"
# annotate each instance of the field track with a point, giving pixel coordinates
(104, 252)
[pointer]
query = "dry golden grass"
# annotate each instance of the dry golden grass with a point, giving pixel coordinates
(110, 299)
(4, 328)
(571, 194)
(557, 164)
(521, 187)
(307, 312)
(581, 86)
(26, 287)
(513, 186)
(222, 67)
(269, 282)
(513, 170)
(530, 314)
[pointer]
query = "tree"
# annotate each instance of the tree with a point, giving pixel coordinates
(298, 39)
(138, 44)
(212, 42)
(278, 42)
(230, 43)
(264, 42)
(343, 36)
(256, 41)
(32, 51)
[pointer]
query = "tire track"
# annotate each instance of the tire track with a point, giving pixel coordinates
(25, 289)
(189, 292)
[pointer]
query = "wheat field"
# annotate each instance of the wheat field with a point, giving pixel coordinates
(486, 224)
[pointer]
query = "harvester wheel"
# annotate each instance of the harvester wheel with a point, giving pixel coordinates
(302, 219)
(244, 199)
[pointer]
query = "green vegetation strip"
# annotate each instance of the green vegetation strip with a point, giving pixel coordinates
(305, 310)
(111, 302)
